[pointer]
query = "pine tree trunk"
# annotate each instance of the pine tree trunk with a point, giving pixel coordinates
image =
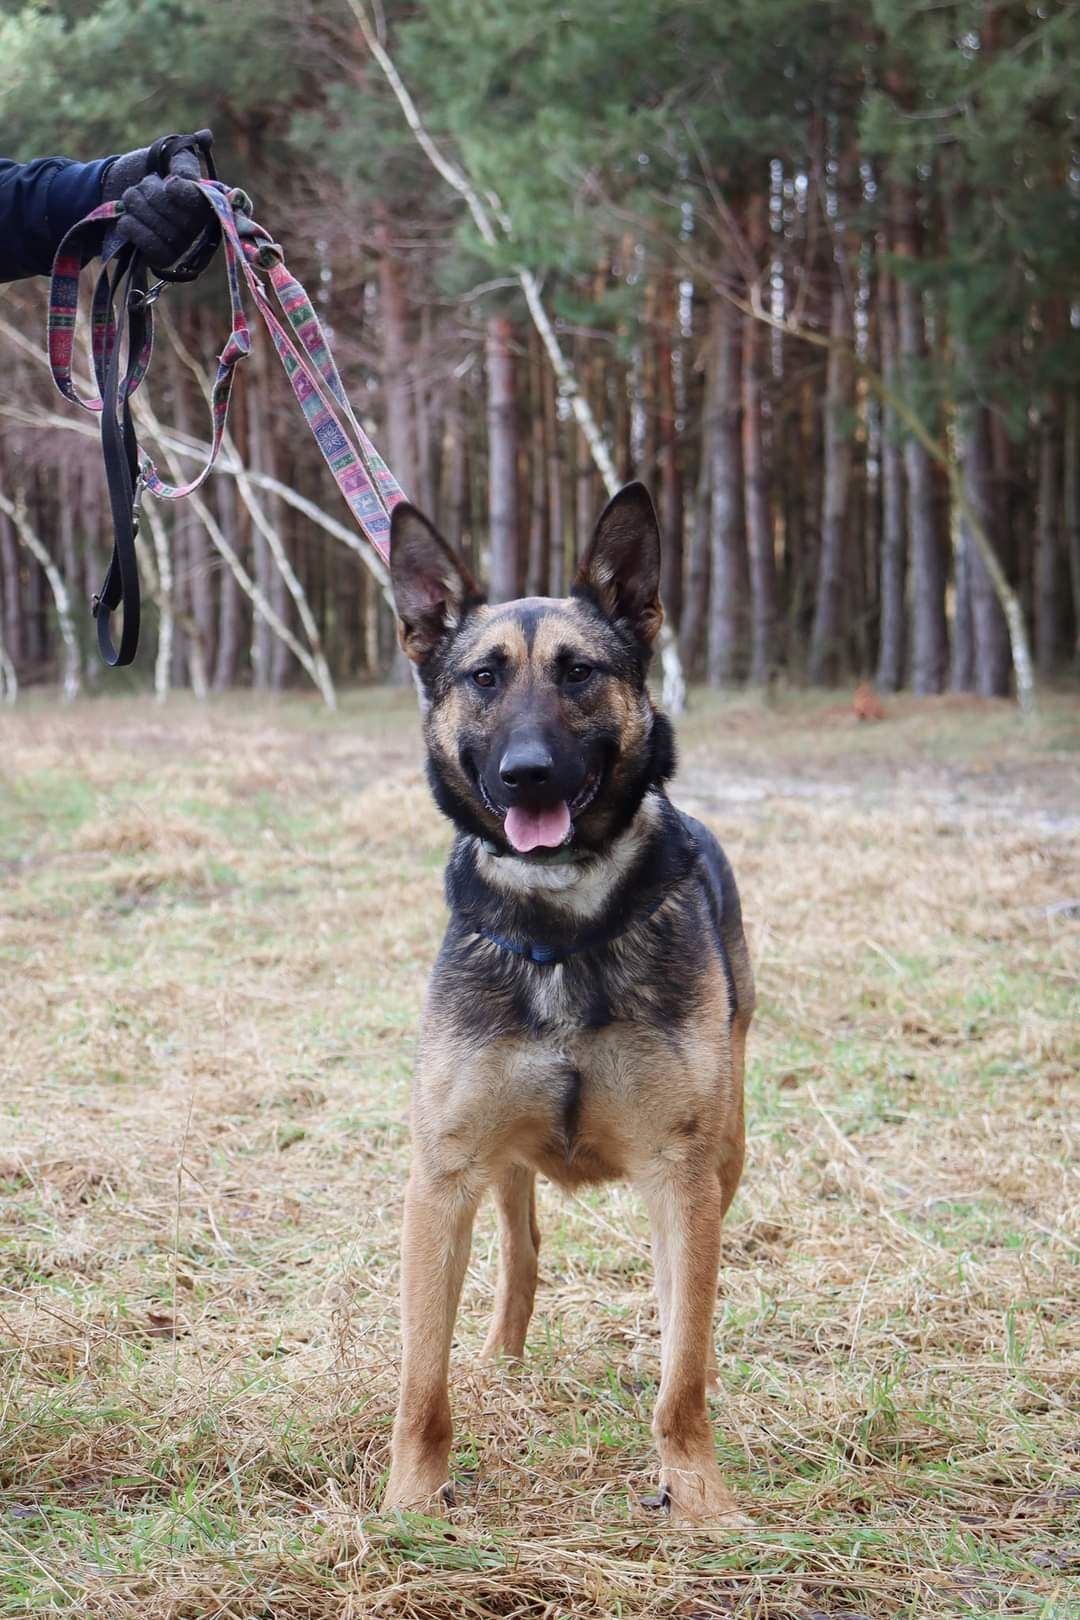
(397, 360)
(722, 448)
(66, 507)
(36, 628)
(1001, 486)
(827, 631)
(671, 493)
(992, 658)
(230, 601)
(277, 515)
(46, 571)
(70, 558)
(10, 571)
(269, 653)
(962, 641)
(928, 644)
(789, 465)
(455, 467)
(1047, 571)
(362, 652)
(536, 573)
(536, 566)
(862, 547)
(696, 591)
(502, 456)
(647, 386)
(427, 479)
(759, 530)
(589, 496)
(262, 637)
(806, 458)
(202, 605)
(692, 631)
(91, 510)
(1071, 499)
(890, 670)
(556, 516)
(586, 505)
(397, 380)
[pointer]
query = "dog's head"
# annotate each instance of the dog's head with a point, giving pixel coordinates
(539, 727)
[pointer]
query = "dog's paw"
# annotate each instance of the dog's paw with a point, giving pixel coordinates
(719, 1519)
(498, 1349)
(699, 1500)
(418, 1490)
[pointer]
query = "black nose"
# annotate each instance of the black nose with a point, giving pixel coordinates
(526, 764)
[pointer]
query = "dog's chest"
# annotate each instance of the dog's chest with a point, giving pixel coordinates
(601, 1098)
(567, 1002)
(600, 1029)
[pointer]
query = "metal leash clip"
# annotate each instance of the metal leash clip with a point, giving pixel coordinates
(143, 300)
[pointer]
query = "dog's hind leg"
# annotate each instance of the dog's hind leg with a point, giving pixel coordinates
(439, 1213)
(519, 1246)
(684, 1204)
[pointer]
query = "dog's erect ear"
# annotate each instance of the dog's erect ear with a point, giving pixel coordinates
(432, 586)
(621, 569)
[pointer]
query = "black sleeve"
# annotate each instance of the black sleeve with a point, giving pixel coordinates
(39, 203)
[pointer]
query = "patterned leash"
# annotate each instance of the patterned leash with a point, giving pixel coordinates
(122, 320)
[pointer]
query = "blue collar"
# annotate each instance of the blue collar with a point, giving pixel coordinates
(542, 955)
(548, 956)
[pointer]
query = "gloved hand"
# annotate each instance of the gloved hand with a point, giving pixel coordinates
(162, 218)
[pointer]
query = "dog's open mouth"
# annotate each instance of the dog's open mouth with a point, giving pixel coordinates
(551, 828)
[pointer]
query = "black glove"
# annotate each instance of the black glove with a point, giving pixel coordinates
(162, 218)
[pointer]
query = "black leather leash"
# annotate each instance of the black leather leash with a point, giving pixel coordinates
(129, 305)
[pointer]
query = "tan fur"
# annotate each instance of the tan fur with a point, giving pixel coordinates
(485, 1114)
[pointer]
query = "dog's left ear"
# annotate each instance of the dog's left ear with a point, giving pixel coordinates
(620, 572)
(433, 589)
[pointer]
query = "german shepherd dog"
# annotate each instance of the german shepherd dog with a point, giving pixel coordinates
(587, 1015)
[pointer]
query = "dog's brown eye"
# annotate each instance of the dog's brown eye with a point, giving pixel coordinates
(578, 673)
(484, 677)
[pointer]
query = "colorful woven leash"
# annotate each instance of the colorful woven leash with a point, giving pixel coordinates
(122, 306)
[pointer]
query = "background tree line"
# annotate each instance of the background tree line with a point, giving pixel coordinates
(812, 265)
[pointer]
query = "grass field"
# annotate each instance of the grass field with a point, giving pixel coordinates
(215, 927)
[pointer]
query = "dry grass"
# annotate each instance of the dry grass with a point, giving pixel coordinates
(214, 933)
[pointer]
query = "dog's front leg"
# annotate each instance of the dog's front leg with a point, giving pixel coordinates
(439, 1211)
(685, 1208)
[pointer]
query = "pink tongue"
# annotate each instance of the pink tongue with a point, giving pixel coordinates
(537, 829)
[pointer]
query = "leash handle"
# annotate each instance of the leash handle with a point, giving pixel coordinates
(181, 154)
(178, 157)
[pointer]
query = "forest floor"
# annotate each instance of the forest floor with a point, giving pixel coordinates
(215, 927)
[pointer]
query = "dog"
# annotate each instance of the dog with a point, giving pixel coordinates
(586, 1018)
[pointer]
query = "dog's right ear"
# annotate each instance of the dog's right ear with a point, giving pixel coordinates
(432, 587)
